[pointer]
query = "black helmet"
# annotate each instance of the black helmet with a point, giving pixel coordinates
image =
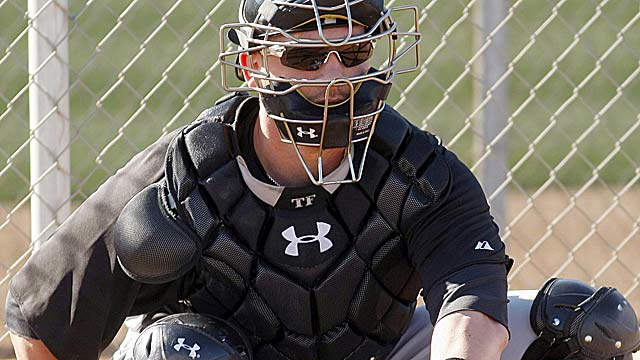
(273, 27)
(307, 15)
(191, 336)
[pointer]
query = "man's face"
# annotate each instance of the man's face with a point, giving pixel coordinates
(330, 70)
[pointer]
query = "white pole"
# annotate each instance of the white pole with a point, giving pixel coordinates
(48, 116)
(493, 117)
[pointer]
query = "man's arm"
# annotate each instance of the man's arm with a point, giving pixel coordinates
(26, 348)
(468, 335)
(54, 293)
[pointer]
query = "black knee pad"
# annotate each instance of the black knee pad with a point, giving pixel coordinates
(191, 336)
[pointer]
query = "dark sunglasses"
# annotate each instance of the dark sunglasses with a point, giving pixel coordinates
(311, 58)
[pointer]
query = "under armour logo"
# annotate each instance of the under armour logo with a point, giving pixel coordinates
(290, 236)
(311, 133)
(193, 350)
(483, 245)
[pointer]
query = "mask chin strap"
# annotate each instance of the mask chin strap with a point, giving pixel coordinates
(303, 123)
(308, 121)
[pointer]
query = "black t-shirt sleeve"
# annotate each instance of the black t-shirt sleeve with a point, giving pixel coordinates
(458, 251)
(15, 321)
(71, 293)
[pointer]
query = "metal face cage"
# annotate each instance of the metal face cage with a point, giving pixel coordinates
(357, 122)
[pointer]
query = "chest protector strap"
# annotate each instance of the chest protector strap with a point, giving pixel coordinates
(573, 321)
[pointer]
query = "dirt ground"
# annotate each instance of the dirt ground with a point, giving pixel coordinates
(593, 236)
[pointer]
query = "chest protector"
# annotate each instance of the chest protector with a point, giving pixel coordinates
(319, 273)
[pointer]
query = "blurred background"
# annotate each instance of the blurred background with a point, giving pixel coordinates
(541, 98)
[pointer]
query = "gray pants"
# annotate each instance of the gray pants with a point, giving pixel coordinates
(415, 343)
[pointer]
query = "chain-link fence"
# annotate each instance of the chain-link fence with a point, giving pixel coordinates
(540, 97)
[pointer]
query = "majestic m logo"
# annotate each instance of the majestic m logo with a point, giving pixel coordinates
(483, 245)
(311, 133)
(290, 235)
(193, 350)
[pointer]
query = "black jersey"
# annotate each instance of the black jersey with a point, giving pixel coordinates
(74, 295)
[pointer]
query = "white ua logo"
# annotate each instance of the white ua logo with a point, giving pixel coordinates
(311, 132)
(193, 350)
(290, 236)
(483, 245)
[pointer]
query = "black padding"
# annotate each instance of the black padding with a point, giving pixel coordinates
(346, 197)
(397, 319)
(290, 302)
(225, 247)
(393, 195)
(427, 188)
(411, 288)
(435, 179)
(383, 334)
(224, 283)
(202, 220)
(209, 147)
(311, 263)
(391, 131)
(335, 293)
(248, 218)
(573, 319)
(416, 203)
(555, 302)
(338, 343)
(191, 336)
(297, 346)
(369, 305)
(268, 351)
(225, 186)
(415, 154)
(152, 247)
(224, 109)
(391, 266)
(255, 316)
(179, 171)
(610, 321)
(375, 232)
(203, 300)
(376, 168)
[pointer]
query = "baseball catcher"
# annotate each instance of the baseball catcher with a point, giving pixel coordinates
(303, 216)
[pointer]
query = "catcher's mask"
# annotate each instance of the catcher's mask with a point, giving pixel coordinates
(272, 29)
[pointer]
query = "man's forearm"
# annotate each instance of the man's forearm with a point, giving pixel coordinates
(26, 348)
(468, 335)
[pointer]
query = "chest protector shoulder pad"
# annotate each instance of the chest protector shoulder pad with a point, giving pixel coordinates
(142, 234)
(157, 241)
(405, 171)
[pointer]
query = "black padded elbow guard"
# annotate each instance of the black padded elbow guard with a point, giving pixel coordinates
(151, 246)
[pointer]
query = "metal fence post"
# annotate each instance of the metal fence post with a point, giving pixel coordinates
(48, 116)
(491, 65)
